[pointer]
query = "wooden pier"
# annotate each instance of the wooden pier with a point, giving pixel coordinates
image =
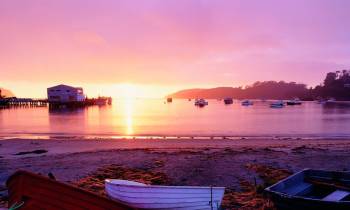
(29, 102)
(22, 102)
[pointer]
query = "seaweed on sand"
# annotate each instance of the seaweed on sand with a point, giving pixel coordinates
(95, 181)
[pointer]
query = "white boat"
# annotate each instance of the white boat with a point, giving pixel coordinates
(247, 103)
(277, 104)
(295, 101)
(331, 101)
(200, 102)
(138, 195)
(321, 101)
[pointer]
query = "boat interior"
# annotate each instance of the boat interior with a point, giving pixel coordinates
(316, 184)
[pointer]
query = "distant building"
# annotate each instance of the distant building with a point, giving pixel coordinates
(65, 94)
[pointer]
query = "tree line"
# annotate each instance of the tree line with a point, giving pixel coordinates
(335, 85)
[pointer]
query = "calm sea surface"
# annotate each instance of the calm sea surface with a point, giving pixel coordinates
(153, 117)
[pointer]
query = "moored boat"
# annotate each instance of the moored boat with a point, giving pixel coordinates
(200, 102)
(101, 101)
(144, 196)
(277, 104)
(295, 101)
(169, 100)
(330, 101)
(311, 190)
(247, 103)
(321, 101)
(228, 101)
(35, 192)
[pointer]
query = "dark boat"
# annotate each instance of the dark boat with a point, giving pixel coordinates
(35, 192)
(169, 100)
(201, 102)
(228, 101)
(311, 190)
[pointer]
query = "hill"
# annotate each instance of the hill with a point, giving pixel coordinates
(259, 90)
(6, 93)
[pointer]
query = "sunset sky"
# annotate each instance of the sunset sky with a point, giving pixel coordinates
(148, 48)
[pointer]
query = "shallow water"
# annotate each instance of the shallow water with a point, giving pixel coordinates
(154, 117)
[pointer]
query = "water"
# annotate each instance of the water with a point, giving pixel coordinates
(153, 117)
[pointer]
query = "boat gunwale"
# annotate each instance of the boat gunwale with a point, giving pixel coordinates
(285, 195)
(124, 196)
(163, 186)
(160, 198)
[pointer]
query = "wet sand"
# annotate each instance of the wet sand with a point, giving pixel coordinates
(234, 164)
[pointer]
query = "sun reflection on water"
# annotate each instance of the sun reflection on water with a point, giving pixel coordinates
(128, 115)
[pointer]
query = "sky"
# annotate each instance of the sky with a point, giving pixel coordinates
(149, 48)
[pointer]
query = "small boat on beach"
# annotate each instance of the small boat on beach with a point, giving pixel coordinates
(277, 104)
(200, 102)
(247, 103)
(144, 196)
(228, 101)
(29, 191)
(169, 100)
(312, 190)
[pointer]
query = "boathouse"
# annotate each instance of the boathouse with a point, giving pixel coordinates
(65, 94)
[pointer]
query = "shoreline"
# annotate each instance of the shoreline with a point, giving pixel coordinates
(108, 137)
(8, 147)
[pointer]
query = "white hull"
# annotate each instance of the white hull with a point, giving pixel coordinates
(278, 104)
(143, 196)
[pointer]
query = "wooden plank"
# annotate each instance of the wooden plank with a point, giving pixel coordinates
(298, 189)
(336, 195)
(330, 184)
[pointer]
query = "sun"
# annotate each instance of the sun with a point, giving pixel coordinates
(133, 90)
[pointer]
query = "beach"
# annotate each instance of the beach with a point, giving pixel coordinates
(238, 164)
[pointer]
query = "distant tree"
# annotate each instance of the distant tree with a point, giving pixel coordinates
(335, 85)
(330, 78)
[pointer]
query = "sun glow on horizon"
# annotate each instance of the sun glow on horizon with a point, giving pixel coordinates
(127, 91)
(132, 91)
(117, 90)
